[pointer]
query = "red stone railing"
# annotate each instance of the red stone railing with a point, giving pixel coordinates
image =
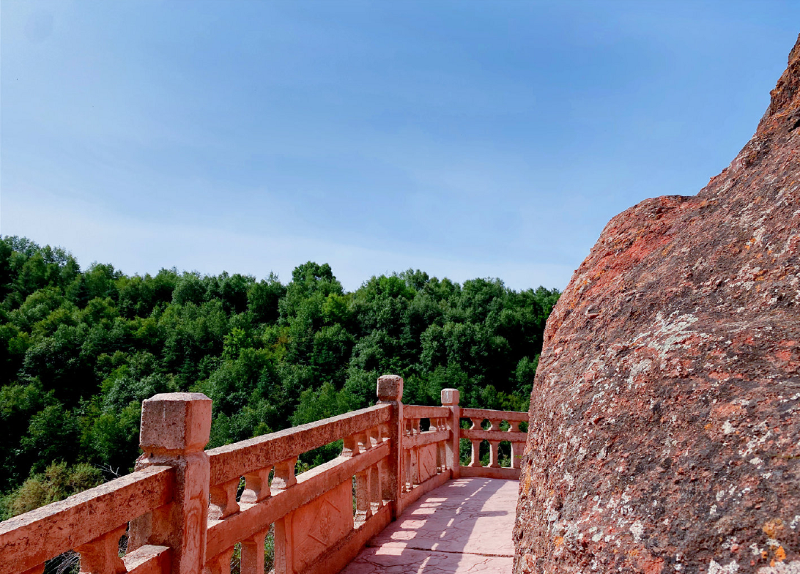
(494, 436)
(186, 509)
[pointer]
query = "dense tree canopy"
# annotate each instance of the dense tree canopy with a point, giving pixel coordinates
(80, 350)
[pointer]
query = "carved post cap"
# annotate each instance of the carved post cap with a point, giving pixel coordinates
(175, 422)
(450, 397)
(390, 388)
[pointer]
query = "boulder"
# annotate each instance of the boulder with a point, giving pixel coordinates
(665, 415)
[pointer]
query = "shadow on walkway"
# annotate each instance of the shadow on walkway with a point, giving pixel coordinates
(463, 526)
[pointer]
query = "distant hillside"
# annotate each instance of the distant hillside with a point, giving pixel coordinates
(80, 350)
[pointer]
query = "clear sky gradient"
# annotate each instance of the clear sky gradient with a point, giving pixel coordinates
(466, 139)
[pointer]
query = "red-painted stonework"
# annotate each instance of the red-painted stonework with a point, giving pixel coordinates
(665, 416)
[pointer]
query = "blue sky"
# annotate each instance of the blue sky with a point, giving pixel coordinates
(467, 139)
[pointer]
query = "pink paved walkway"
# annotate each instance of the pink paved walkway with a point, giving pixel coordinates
(463, 526)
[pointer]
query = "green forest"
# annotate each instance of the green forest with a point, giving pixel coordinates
(81, 349)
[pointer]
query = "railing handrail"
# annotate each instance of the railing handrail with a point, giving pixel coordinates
(490, 414)
(424, 412)
(236, 459)
(33, 537)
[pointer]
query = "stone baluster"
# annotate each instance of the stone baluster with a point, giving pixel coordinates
(364, 441)
(220, 564)
(101, 555)
(223, 500)
(284, 475)
(283, 478)
(252, 561)
(415, 430)
(375, 497)
(475, 459)
(415, 474)
(476, 453)
(407, 465)
(386, 481)
(351, 445)
(450, 398)
(284, 545)
(256, 486)
(364, 487)
(494, 459)
(363, 490)
(494, 445)
(374, 437)
(390, 390)
(175, 429)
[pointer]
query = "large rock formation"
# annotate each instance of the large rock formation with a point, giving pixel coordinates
(665, 415)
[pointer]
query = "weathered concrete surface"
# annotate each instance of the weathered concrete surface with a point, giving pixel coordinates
(665, 426)
(462, 526)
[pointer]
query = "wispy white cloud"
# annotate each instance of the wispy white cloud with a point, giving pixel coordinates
(137, 245)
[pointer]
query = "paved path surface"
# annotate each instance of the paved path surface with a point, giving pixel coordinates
(463, 526)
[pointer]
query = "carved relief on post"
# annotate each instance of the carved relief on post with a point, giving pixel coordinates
(304, 534)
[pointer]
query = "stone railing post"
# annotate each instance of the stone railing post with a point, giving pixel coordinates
(450, 398)
(174, 431)
(390, 390)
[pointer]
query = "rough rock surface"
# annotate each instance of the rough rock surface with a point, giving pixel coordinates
(665, 415)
